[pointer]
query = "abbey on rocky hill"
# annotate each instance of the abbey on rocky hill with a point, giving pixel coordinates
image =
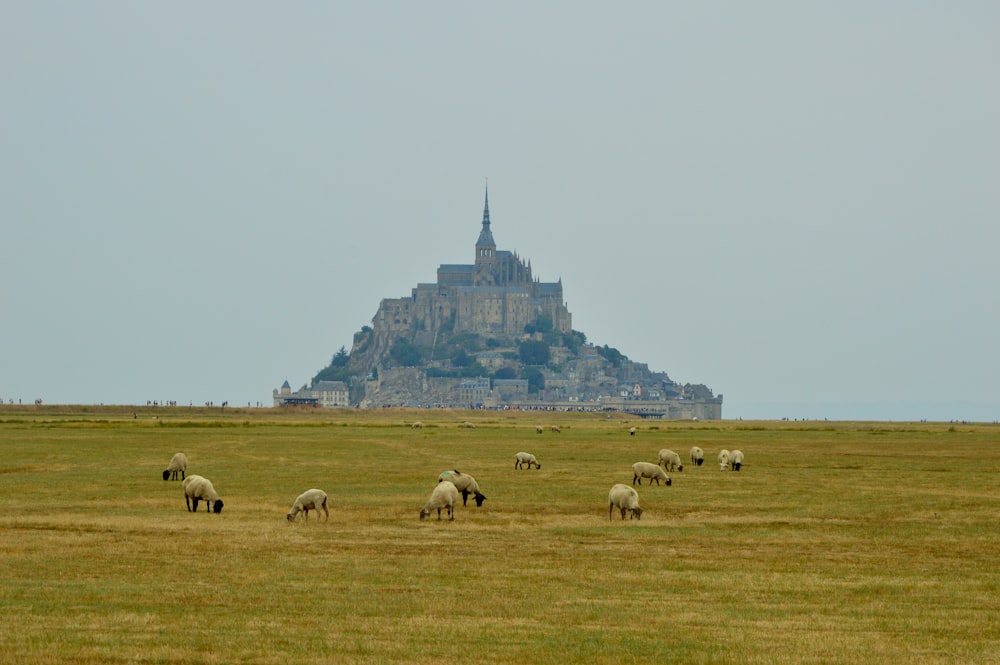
(490, 335)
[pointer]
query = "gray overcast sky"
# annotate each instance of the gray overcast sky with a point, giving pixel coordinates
(794, 203)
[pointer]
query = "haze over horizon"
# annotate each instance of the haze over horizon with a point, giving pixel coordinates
(793, 204)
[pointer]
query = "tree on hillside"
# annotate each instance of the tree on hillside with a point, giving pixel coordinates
(535, 378)
(406, 354)
(611, 354)
(533, 352)
(505, 373)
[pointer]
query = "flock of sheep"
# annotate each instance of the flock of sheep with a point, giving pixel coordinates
(452, 484)
(626, 499)
(198, 488)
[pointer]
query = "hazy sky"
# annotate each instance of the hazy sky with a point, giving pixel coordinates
(794, 203)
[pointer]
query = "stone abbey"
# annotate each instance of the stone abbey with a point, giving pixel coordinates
(495, 296)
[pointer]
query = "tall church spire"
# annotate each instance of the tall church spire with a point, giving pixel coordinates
(485, 247)
(486, 207)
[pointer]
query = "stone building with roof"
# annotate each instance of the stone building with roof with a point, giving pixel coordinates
(495, 295)
(324, 393)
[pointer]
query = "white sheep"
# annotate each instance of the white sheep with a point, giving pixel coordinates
(444, 496)
(539, 429)
(197, 488)
(736, 459)
(624, 498)
(417, 425)
(468, 425)
(697, 455)
(465, 484)
(631, 432)
(522, 459)
(179, 462)
(649, 470)
(313, 499)
(723, 460)
(670, 460)
(555, 428)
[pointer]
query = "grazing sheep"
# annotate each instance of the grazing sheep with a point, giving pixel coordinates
(649, 470)
(522, 459)
(465, 483)
(444, 496)
(631, 432)
(417, 425)
(468, 425)
(197, 488)
(539, 429)
(313, 499)
(723, 460)
(670, 460)
(179, 462)
(736, 459)
(555, 428)
(697, 455)
(624, 498)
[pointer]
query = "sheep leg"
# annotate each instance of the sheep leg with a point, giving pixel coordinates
(465, 497)
(194, 504)
(623, 513)
(634, 478)
(187, 502)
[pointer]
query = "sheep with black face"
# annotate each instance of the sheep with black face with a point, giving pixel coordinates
(197, 488)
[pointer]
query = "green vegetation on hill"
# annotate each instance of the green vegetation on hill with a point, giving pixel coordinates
(453, 355)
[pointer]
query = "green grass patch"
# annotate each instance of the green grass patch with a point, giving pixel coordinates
(837, 543)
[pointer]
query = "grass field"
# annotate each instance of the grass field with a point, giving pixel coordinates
(836, 543)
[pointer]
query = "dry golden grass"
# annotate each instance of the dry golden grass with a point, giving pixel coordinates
(837, 543)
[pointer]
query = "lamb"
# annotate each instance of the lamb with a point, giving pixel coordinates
(624, 498)
(179, 462)
(522, 459)
(649, 470)
(444, 496)
(697, 455)
(465, 484)
(736, 459)
(723, 460)
(670, 460)
(313, 499)
(197, 488)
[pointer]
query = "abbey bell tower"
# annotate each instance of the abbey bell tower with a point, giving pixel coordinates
(486, 248)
